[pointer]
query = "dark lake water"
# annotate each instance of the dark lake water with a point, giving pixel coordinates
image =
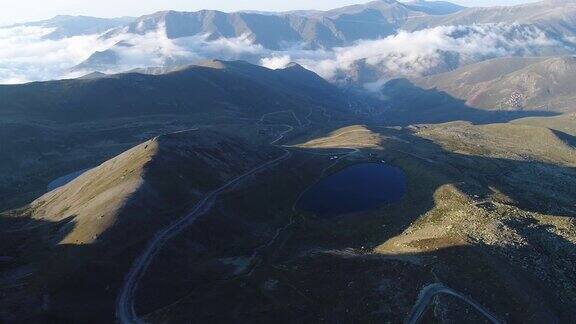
(356, 188)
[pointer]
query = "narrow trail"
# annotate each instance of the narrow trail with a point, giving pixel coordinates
(125, 312)
(430, 291)
(125, 304)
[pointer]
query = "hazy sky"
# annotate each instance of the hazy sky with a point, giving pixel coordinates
(25, 10)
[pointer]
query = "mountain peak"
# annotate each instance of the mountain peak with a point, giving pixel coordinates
(214, 63)
(294, 65)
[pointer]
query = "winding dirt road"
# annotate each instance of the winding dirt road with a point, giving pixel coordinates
(125, 312)
(429, 292)
(125, 304)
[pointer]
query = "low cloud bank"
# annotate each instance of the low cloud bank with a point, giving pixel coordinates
(424, 52)
(155, 49)
(26, 56)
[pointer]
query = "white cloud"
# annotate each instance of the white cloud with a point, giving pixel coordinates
(430, 50)
(155, 49)
(25, 55)
(276, 62)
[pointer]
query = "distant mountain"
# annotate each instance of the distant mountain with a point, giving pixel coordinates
(343, 26)
(449, 48)
(315, 29)
(93, 75)
(512, 84)
(434, 7)
(551, 22)
(546, 28)
(99, 61)
(68, 26)
(557, 17)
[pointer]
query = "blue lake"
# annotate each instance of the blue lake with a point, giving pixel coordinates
(356, 188)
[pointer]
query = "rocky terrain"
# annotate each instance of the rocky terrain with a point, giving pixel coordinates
(554, 16)
(511, 84)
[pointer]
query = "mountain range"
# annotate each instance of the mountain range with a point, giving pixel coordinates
(327, 29)
(367, 44)
(344, 26)
(543, 23)
(553, 16)
(162, 183)
(69, 26)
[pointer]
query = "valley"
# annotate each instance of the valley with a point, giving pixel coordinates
(271, 245)
(394, 162)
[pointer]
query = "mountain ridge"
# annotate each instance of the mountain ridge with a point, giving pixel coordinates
(32, 97)
(68, 26)
(512, 83)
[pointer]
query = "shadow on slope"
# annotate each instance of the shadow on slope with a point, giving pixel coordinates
(411, 104)
(92, 228)
(215, 87)
(567, 138)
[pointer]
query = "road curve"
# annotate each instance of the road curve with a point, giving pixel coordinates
(125, 312)
(430, 291)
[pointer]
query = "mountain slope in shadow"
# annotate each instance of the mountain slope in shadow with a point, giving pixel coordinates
(213, 87)
(78, 240)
